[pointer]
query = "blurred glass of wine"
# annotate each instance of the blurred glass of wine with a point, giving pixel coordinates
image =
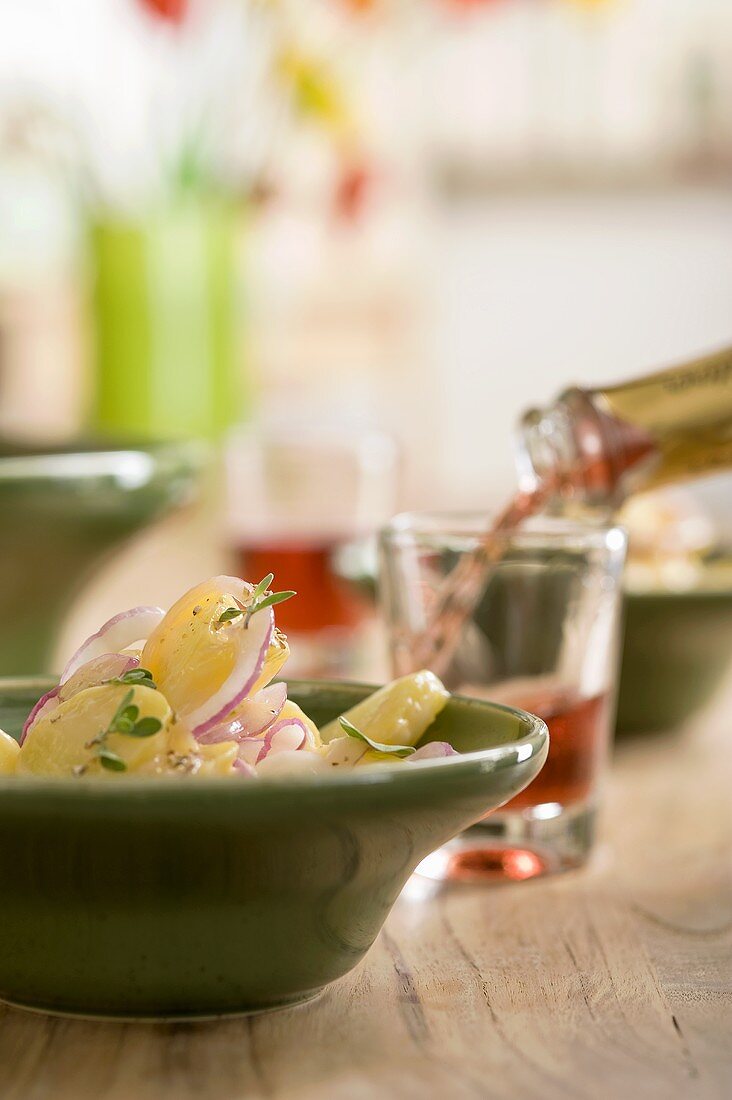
(305, 499)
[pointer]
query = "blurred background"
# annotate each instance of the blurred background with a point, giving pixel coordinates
(346, 242)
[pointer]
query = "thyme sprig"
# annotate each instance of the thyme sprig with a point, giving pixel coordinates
(126, 720)
(138, 677)
(260, 598)
(229, 614)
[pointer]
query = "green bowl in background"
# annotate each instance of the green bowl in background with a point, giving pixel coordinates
(63, 512)
(677, 650)
(187, 898)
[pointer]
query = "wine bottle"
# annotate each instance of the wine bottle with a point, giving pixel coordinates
(597, 446)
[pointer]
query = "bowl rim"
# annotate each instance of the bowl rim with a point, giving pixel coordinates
(533, 743)
(132, 464)
(557, 532)
(680, 594)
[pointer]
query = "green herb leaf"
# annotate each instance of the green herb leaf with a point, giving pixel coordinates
(229, 614)
(262, 587)
(271, 600)
(111, 761)
(124, 720)
(259, 600)
(120, 711)
(393, 750)
(146, 727)
(138, 676)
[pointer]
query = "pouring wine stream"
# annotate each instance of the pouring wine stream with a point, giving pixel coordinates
(462, 590)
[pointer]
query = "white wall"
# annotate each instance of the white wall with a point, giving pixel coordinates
(536, 292)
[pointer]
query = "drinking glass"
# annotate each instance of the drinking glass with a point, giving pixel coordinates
(543, 636)
(305, 502)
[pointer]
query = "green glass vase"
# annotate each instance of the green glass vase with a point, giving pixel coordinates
(164, 309)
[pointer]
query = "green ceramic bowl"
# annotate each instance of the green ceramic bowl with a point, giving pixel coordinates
(187, 898)
(63, 512)
(677, 650)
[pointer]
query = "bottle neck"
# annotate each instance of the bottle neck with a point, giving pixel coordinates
(576, 452)
(595, 447)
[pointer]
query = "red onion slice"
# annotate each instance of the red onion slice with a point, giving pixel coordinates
(252, 717)
(254, 642)
(244, 770)
(249, 750)
(117, 633)
(434, 751)
(45, 704)
(288, 734)
(107, 666)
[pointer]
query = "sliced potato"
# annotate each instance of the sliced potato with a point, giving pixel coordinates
(291, 763)
(190, 653)
(64, 742)
(9, 749)
(193, 651)
(397, 714)
(183, 755)
(218, 759)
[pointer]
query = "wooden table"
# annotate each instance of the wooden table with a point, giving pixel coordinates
(613, 982)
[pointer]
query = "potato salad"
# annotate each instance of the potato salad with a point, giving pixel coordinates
(194, 691)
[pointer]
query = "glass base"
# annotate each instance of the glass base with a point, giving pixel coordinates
(510, 847)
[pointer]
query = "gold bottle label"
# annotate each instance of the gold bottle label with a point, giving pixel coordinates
(687, 413)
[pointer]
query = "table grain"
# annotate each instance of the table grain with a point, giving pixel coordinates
(615, 981)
